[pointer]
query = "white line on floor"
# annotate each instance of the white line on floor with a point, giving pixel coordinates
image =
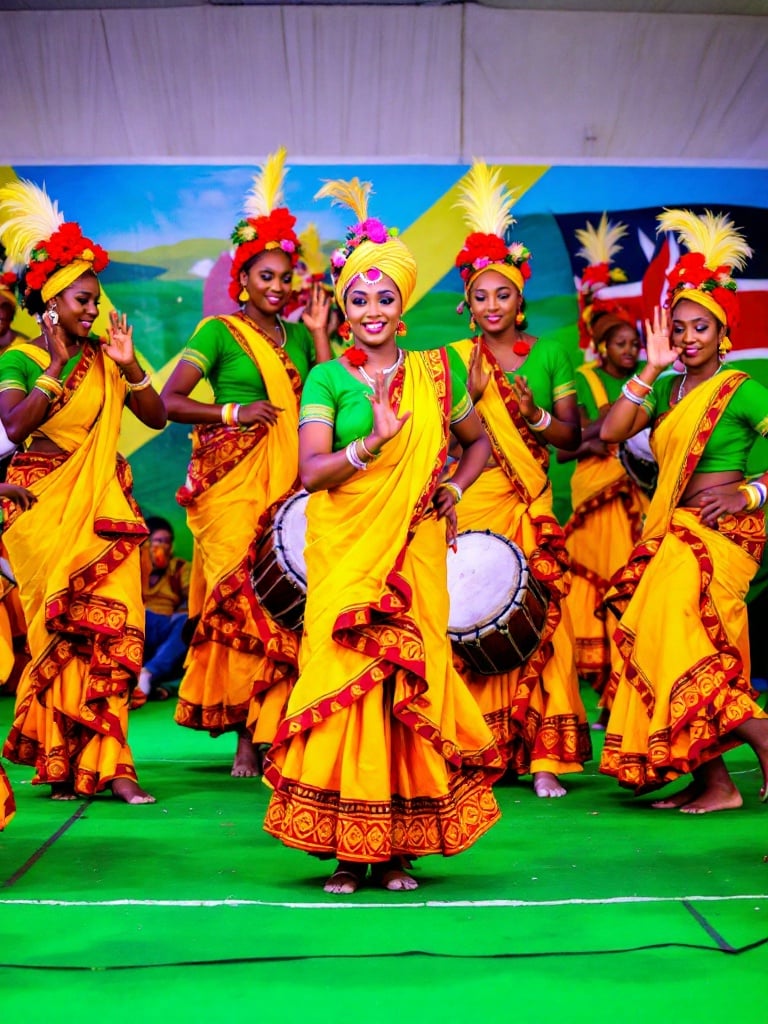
(435, 904)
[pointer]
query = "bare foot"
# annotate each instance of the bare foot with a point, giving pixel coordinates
(392, 876)
(676, 800)
(714, 798)
(346, 879)
(131, 792)
(547, 784)
(247, 763)
(63, 790)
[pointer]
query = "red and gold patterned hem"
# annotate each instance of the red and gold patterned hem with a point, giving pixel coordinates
(321, 823)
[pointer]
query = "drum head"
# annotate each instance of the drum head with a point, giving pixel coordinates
(484, 576)
(290, 532)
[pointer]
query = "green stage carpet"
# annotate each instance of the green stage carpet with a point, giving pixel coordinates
(587, 909)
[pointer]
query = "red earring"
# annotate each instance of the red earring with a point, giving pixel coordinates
(344, 330)
(401, 329)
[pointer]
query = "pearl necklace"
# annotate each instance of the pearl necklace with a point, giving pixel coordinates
(684, 378)
(386, 371)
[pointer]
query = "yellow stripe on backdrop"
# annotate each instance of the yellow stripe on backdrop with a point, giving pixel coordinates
(436, 236)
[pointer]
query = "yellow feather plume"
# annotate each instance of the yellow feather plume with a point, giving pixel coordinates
(353, 194)
(311, 250)
(27, 216)
(600, 244)
(266, 193)
(713, 235)
(486, 201)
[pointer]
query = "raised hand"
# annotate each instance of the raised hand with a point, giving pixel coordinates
(318, 309)
(525, 399)
(118, 344)
(478, 376)
(55, 339)
(661, 352)
(386, 423)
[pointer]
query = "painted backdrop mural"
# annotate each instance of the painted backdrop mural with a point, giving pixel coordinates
(167, 229)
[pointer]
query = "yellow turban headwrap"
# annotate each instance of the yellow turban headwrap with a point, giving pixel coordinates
(507, 270)
(392, 258)
(369, 243)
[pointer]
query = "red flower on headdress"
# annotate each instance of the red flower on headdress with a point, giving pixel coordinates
(480, 250)
(8, 279)
(691, 273)
(66, 244)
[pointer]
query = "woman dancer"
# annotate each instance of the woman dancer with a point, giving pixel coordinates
(382, 755)
(682, 696)
(244, 459)
(524, 393)
(62, 396)
(608, 505)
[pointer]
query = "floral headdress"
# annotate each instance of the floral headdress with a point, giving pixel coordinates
(369, 245)
(487, 202)
(597, 315)
(36, 236)
(266, 224)
(705, 273)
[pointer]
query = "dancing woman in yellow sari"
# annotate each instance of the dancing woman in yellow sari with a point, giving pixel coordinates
(382, 754)
(75, 552)
(682, 696)
(608, 505)
(524, 393)
(241, 663)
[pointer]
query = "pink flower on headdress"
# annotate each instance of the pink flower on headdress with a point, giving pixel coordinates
(287, 245)
(480, 263)
(374, 230)
(338, 259)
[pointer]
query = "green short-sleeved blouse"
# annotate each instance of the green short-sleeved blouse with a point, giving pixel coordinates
(333, 396)
(234, 377)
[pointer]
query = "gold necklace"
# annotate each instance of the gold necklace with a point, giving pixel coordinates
(684, 378)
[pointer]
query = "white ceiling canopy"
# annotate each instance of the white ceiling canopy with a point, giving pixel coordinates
(718, 7)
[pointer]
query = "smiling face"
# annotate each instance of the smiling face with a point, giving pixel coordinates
(373, 310)
(269, 281)
(78, 306)
(494, 302)
(696, 332)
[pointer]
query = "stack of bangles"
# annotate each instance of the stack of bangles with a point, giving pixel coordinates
(140, 385)
(455, 490)
(542, 422)
(355, 458)
(230, 414)
(633, 396)
(755, 493)
(49, 386)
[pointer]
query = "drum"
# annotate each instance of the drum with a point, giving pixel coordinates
(279, 572)
(498, 608)
(639, 461)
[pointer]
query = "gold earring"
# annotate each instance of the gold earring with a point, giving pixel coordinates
(472, 324)
(243, 296)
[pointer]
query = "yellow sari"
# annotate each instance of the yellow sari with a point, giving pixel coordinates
(535, 711)
(606, 523)
(681, 691)
(382, 751)
(241, 664)
(75, 555)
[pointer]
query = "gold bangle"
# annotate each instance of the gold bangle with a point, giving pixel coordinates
(226, 414)
(48, 383)
(752, 495)
(455, 490)
(366, 450)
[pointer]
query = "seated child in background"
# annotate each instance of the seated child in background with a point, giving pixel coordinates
(165, 589)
